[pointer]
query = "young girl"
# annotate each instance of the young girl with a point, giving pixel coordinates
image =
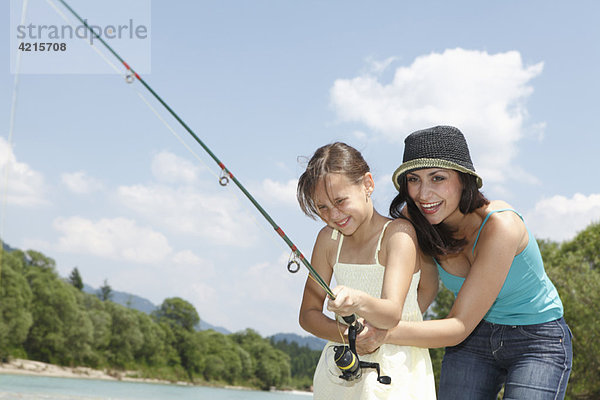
(506, 325)
(374, 260)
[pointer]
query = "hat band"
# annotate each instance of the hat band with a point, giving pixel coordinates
(421, 163)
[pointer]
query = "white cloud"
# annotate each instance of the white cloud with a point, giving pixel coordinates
(169, 168)
(279, 193)
(219, 218)
(80, 183)
(187, 257)
(117, 239)
(482, 94)
(360, 135)
(560, 218)
(182, 203)
(19, 183)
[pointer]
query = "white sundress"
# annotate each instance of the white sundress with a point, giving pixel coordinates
(409, 367)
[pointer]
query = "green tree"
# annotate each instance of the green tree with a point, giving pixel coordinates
(586, 246)
(155, 350)
(303, 362)
(178, 313)
(438, 310)
(15, 304)
(181, 317)
(235, 365)
(105, 291)
(61, 332)
(573, 268)
(126, 338)
(37, 259)
(272, 366)
(192, 352)
(75, 279)
(101, 321)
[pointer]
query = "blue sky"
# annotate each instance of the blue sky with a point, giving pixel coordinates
(93, 178)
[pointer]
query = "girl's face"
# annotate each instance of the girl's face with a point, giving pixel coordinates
(436, 192)
(342, 204)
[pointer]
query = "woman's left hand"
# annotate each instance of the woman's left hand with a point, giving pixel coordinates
(347, 301)
(370, 339)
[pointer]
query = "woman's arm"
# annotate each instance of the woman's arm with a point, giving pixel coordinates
(399, 253)
(428, 284)
(497, 247)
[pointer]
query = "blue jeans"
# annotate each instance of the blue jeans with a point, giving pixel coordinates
(533, 362)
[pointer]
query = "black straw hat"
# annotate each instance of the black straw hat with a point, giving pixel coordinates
(437, 147)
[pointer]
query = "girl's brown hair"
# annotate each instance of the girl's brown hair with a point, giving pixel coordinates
(334, 158)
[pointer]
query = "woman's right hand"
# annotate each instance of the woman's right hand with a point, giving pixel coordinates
(370, 339)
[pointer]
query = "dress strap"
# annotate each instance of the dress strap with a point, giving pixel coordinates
(486, 219)
(334, 236)
(379, 242)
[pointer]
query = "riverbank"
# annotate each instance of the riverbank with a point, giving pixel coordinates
(29, 367)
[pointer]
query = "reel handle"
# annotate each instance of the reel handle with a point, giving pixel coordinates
(347, 359)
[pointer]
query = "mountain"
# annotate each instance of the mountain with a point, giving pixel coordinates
(126, 299)
(6, 247)
(312, 342)
(204, 326)
(144, 305)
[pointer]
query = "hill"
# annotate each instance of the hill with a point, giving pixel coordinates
(312, 342)
(126, 299)
(146, 306)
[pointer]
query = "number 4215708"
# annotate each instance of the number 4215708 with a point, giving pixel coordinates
(26, 46)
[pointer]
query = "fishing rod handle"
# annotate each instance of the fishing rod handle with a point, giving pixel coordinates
(352, 320)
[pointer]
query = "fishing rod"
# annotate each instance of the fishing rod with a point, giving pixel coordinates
(293, 264)
(346, 356)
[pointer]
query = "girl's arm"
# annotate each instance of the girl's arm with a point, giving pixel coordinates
(311, 317)
(400, 255)
(498, 245)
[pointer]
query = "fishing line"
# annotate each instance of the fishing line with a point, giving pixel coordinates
(141, 96)
(165, 123)
(189, 149)
(64, 17)
(170, 128)
(11, 128)
(226, 174)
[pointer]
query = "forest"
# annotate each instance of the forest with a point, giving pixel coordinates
(49, 318)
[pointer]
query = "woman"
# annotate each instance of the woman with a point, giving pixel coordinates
(506, 325)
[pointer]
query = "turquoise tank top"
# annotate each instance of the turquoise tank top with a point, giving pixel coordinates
(527, 296)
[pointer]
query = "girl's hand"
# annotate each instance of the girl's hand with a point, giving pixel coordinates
(347, 301)
(370, 339)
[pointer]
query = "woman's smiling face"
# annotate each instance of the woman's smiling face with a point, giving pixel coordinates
(435, 191)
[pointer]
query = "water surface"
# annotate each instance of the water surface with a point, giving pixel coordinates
(28, 387)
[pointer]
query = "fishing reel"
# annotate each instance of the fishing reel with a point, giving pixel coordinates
(346, 357)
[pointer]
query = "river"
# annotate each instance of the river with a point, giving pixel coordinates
(31, 387)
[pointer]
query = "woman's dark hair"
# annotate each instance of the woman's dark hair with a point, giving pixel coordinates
(437, 240)
(334, 158)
